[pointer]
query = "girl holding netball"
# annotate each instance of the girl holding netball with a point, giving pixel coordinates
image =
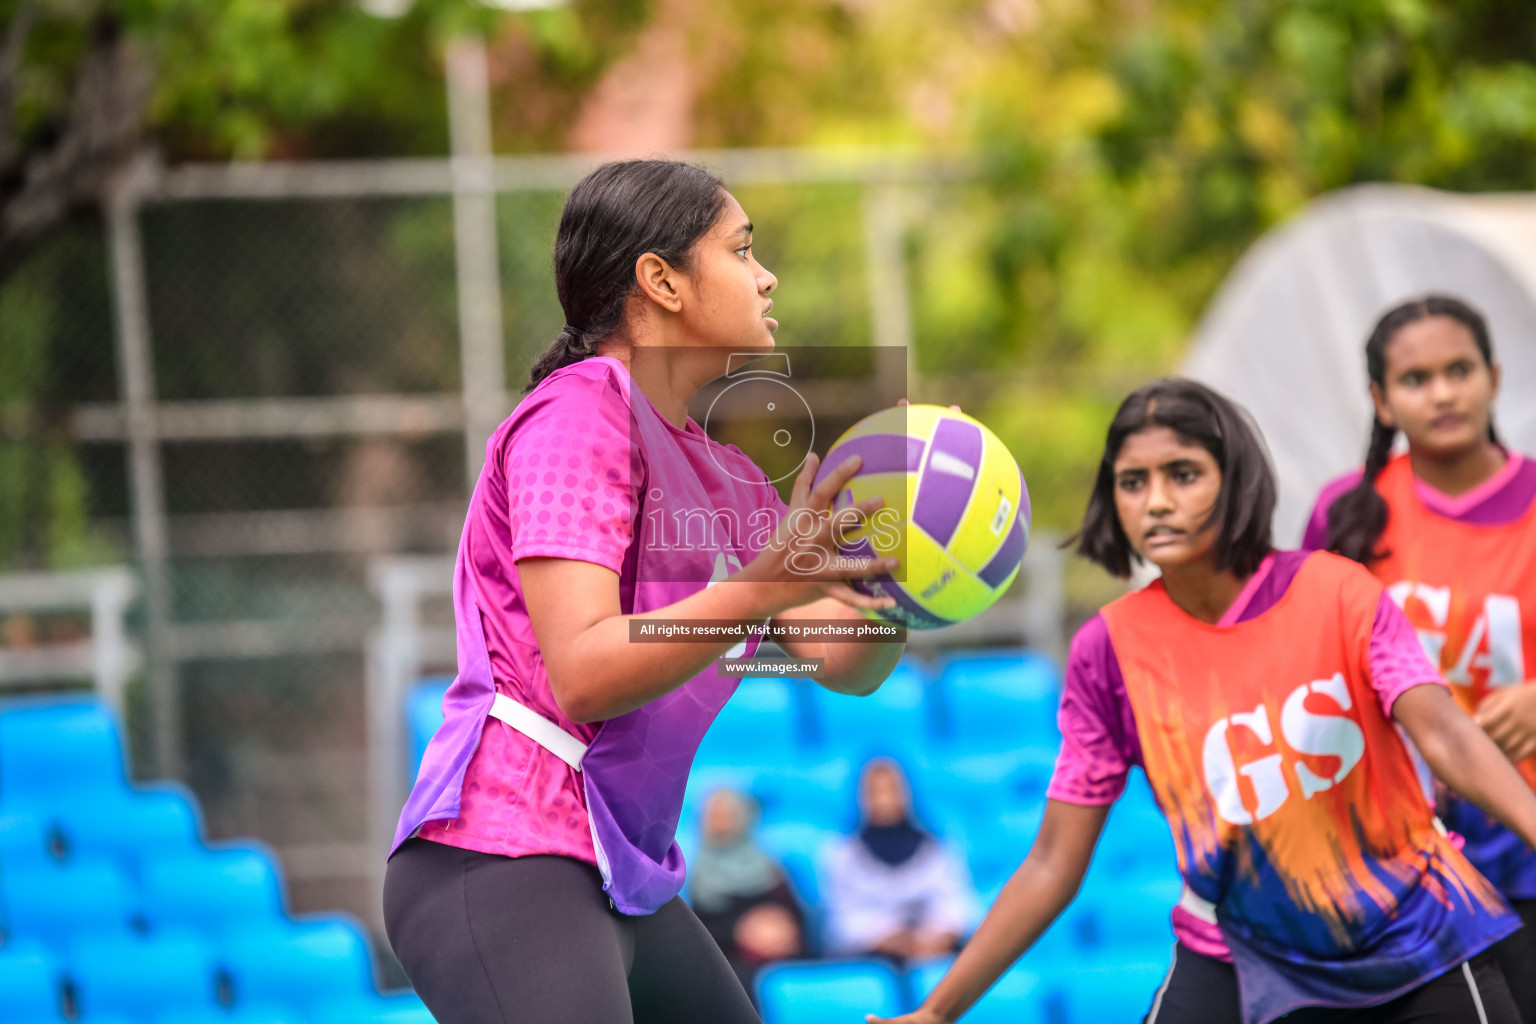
(1450, 528)
(1260, 690)
(535, 874)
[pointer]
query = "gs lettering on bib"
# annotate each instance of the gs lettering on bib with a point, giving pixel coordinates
(1294, 804)
(1306, 732)
(1470, 590)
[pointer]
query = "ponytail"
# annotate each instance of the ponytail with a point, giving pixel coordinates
(570, 347)
(615, 215)
(1357, 519)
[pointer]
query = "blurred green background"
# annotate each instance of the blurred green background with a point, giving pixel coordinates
(1087, 172)
(1116, 157)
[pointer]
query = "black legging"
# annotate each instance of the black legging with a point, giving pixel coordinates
(1203, 990)
(1517, 956)
(533, 940)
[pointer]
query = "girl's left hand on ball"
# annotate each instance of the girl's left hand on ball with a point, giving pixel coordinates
(803, 562)
(1508, 716)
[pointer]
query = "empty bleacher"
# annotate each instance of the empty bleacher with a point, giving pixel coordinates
(977, 735)
(114, 909)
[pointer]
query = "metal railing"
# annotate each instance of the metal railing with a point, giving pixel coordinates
(107, 657)
(147, 424)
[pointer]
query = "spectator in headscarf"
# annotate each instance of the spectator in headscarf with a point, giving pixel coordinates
(892, 889)
(740, 892)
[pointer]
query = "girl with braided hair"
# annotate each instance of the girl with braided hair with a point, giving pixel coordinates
(1450, 527)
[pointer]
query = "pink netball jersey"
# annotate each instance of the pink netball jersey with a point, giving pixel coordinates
(1292, 800)
(585, 469)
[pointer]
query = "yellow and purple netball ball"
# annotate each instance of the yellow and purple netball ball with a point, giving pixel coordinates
(956, 512)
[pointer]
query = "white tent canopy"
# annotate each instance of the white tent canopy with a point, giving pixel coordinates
(1286, 333)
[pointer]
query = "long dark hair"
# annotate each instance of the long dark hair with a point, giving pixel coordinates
(615, 215)
(1357, 518)
(1244, 508)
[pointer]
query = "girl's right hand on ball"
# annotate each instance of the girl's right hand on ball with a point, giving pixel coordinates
(802, 563)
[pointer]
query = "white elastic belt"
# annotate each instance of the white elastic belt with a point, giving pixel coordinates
(1197, 906)
(539, 729)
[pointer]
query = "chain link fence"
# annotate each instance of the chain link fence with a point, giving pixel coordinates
(251, 386)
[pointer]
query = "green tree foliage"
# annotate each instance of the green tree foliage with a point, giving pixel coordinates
(1133, 150)
(1124, 153)
(84, 84)
(1137, 149)
(1118, 156)
(253, 79)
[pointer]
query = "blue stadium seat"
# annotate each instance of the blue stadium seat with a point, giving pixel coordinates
(1116, 913)
(209, 888)
(1136, 841)
(423, 714)
(828, 992)
(1061, 943)
(994, 848)
(760, 723)
(29, 981)
(54, 901)
(814, 792)
(1121, 988)
(898, 718)
(1001, 700)
(136, 975)
(297, 963)
(924, 975)
(58, 745)
(270, 1013)
(391, 1008)
(705, 779)
(24, 835)
(1017, 998)
(128, 823)
(1020, 774)
(958, 791)
(798, 846)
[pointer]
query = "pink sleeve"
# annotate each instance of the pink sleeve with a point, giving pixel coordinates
(1398, 661)
(1098, 733)
(1316, 536)
(573, 475)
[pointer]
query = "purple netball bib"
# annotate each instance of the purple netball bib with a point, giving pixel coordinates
(705, 511)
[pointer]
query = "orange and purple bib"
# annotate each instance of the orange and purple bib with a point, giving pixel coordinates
(1293, 801)
(1464, 571)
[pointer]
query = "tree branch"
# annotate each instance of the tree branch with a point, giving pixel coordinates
(11, 48)
(71, 171)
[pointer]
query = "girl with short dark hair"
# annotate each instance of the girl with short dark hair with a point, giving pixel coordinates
(1261, 692)
(1450, 527)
